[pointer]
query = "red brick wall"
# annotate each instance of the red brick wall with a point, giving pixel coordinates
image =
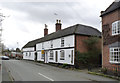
(109, 19)
(80, 46)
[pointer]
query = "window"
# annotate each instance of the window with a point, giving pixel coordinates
(115, 55)
(29, 53)
(26, 53)
(42, 45)
(42, 56)
(51, 55)
(116, 28)
(51, 44)
(62, 42)
(62, 56)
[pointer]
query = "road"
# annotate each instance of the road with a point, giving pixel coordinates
(21, 70)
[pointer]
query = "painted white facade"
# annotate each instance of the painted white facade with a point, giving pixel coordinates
(56, 49)
(29, 53)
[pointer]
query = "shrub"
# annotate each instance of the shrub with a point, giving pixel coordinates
(104, 70)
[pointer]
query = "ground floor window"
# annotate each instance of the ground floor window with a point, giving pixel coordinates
(26, 53)
(62, 55)
(115, 55)
(42, 56)
(29, 53)
(51, 55)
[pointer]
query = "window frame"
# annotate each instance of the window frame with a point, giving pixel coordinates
(51, 57)
(114, 55)
(62, 53)
(26, 53)
(42, 56)
(62, 42)
(51, 44)
(42, 45)
(116, 28)
(29, 54)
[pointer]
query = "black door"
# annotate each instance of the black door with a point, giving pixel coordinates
(35, 56)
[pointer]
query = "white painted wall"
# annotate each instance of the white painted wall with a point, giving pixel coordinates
(68, 42)
(28, 53)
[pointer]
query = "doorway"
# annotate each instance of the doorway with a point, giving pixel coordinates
(56, 55)
(35, 56)
(46, 57)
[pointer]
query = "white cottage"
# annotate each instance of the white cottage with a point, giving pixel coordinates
(60, 46)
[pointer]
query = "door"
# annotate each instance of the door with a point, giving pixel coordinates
(46, 57)
(35, 56)
(71, 56)
(56, 54)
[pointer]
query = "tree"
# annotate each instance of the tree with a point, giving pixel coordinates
(18, 50)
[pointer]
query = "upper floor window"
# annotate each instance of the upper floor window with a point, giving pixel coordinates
(115, 55)
(62, 42)
(116, 28)
(51, 45)
(42, 45)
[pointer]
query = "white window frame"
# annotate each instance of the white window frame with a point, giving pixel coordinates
(26, 54)
(42, 45)
(62, 42)
(114, 55)
(29, 54)
(42, 56)
(116, 28)
(51, 55)
(62, 55)
(51, 43)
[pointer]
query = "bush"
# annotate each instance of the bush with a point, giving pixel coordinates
(104, 70)
(64, 65)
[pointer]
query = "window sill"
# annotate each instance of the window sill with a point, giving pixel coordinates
(113, 62)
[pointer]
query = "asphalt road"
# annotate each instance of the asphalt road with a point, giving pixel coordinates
(20, 70)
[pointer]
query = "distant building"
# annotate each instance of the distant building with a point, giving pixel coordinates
(60, 46)
(111, 37)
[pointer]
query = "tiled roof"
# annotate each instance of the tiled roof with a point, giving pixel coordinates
(76, 29)
(112, 7)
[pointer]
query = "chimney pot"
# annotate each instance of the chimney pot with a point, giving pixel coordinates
(45, 30)
(58, 25)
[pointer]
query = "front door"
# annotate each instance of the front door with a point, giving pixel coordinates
(56, 54)
(35, 56)
(46, 57)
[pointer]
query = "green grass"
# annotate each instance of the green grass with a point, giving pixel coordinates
(101, 74)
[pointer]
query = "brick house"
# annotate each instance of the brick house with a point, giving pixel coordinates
(111, 37)
(60, 46)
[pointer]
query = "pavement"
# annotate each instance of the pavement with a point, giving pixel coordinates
(21, 70)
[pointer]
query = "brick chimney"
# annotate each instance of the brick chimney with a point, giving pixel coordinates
(58, 25)
(45, 30)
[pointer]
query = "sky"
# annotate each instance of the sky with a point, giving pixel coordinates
(25, 19)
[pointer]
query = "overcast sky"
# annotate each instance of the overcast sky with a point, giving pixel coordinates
(25, 21)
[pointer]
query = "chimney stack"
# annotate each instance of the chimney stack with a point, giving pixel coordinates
(45, 30)
(58, 25)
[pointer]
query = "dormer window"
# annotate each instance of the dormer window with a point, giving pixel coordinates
(62, 42)
(116, 28)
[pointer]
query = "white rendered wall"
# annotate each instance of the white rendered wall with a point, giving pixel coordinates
(30, 53)
(68, 43)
